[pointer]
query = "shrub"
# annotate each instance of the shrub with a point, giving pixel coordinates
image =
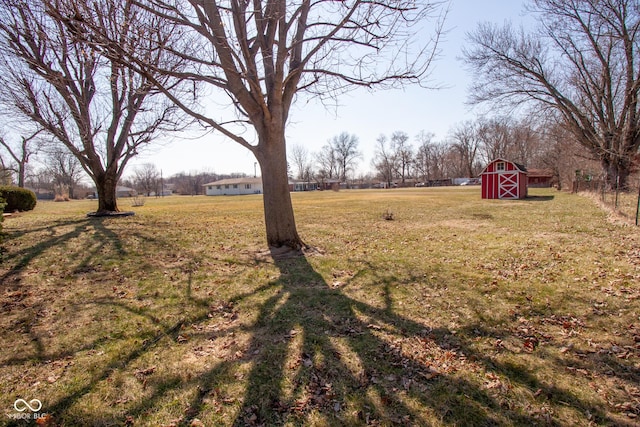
(388, 215)
(138, 201)
(17, 199)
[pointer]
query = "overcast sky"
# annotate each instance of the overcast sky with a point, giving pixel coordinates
(364, 114)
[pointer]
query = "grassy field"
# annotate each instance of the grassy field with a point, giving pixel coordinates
(459, 311)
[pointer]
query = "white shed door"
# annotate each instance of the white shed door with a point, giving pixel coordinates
(508, 187)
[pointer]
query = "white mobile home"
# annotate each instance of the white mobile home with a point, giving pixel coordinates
(234, 186)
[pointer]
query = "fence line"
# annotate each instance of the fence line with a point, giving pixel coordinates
(624, 202)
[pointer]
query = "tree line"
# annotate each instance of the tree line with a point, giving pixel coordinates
(61, 177)
(399, 159)
(148, 180)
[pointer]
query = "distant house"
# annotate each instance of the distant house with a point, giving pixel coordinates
(502, 179)
(43, 194)
(234, 186)
(329, 184)
(122, 191)
(539, 178)
(302, 185)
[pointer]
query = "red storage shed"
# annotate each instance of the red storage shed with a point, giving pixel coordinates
(502, 179)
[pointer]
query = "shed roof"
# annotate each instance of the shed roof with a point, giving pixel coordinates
(518, 166)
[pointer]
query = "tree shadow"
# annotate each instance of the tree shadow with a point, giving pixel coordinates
(22, 258)
(316, 352)
(319, 356)
(539, 198)
(17, 287)
(99, 240)
(25, 256)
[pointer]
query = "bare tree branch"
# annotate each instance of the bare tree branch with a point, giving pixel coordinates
(582, 63)
(80, 91)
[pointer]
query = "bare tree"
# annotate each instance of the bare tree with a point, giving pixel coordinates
(403, 154)
(80, 92)
(582, 65)
(495, 137)
(6, 174)
(263, 55)
(301, 160)
(561, 154)
(192, 182)
(327, 163)
(346, 153)
(147, 179)
(526, 147)
(41, 181)
(516, 140)
(439, 155)
(385, 161)
(465, 142)
(20, 153)
(425, 161)
(65, 172)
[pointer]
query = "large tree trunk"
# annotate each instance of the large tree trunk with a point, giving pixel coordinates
(106, 186)
(278, 210)
(617, 172)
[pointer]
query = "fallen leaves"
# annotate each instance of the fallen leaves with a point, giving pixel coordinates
(45, 420)
(494, 382)
(225, 309)
(530, 343)
(142, 375)
(581, 371)
(630, 409)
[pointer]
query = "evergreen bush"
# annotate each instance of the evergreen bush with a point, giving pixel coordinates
(17, 199)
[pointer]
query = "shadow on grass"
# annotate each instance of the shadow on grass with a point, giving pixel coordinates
(319, 356)
(99, 241)
(539, 198)
(24, 257)
(18, 287)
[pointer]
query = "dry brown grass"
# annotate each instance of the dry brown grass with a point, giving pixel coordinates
(621, 208)
(460, 311)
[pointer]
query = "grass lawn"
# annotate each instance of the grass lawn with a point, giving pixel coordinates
(459, 311)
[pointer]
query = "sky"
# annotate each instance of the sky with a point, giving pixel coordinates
(364, 114)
